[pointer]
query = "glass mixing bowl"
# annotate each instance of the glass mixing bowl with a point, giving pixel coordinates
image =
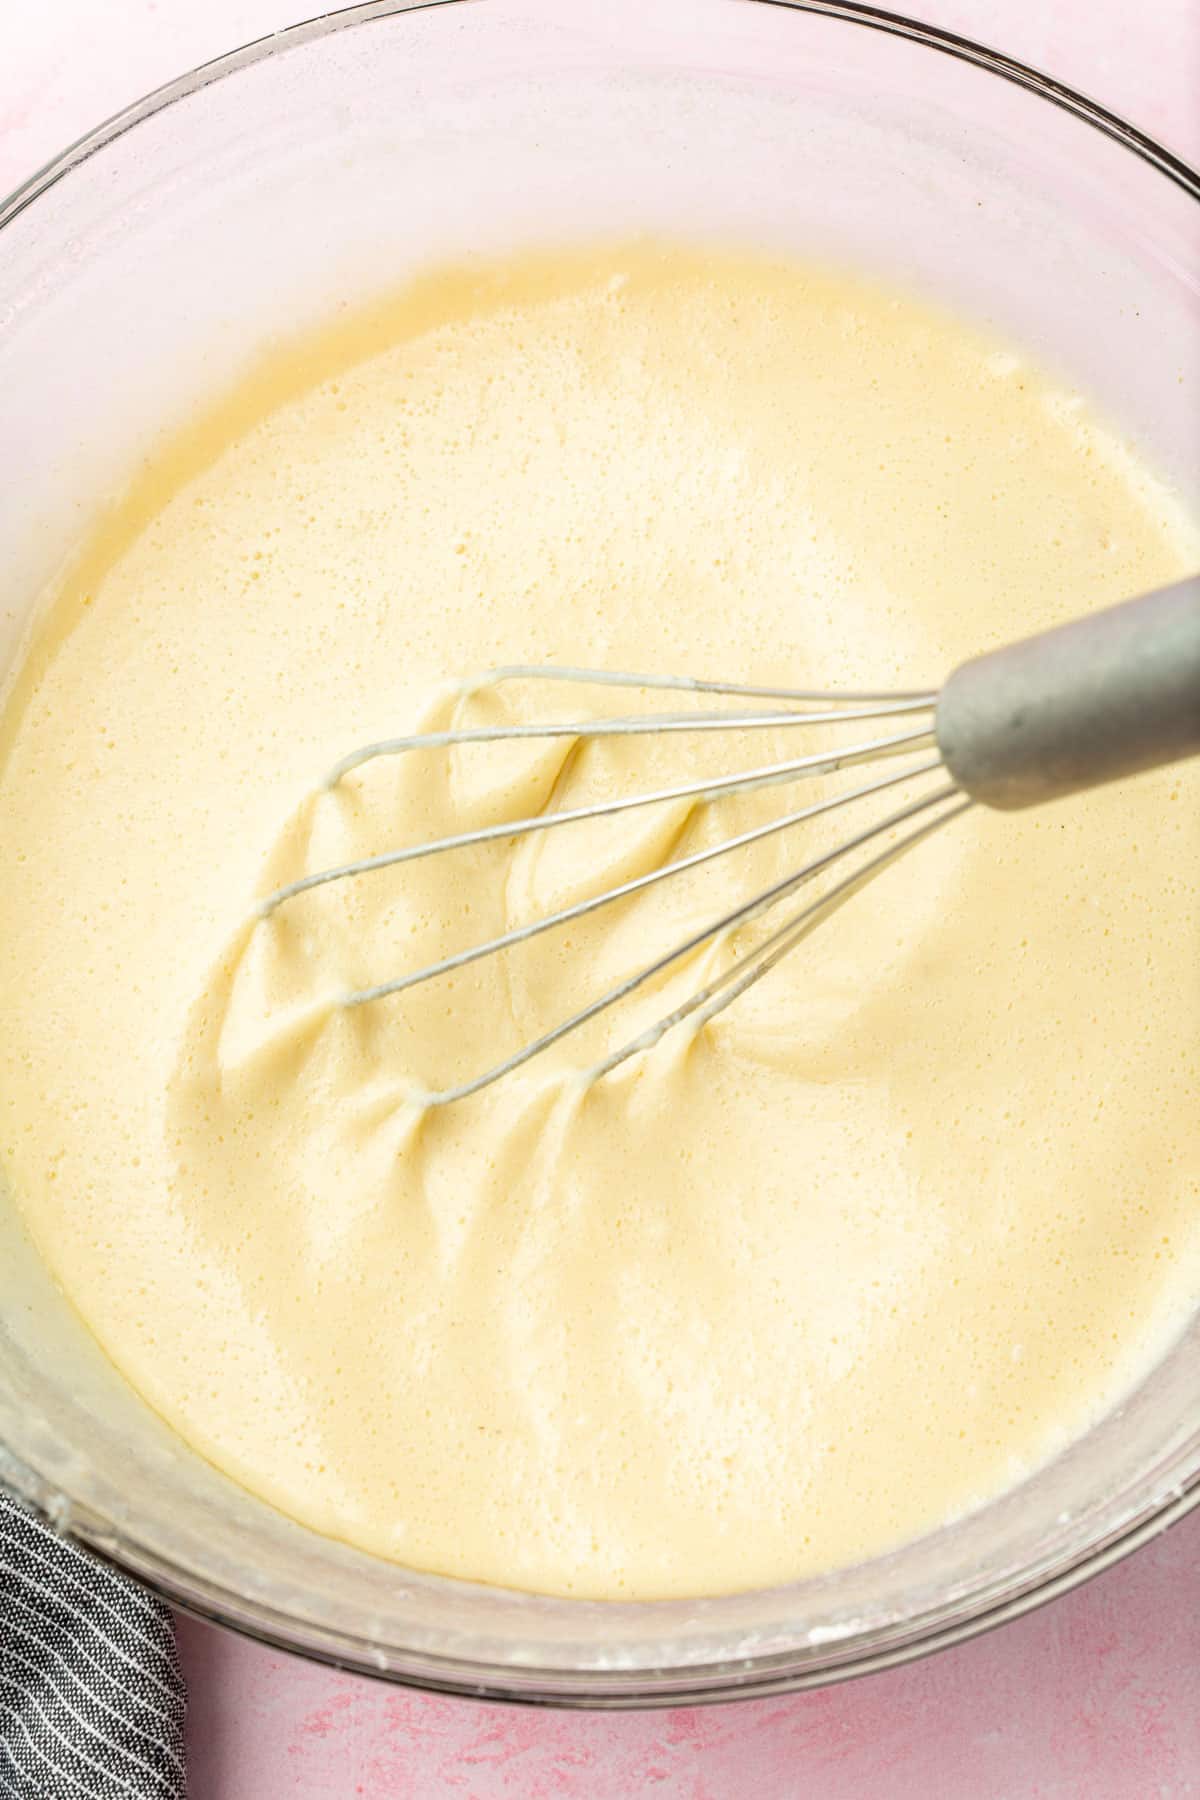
(142, 267)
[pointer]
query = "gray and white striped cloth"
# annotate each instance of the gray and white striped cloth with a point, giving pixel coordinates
(91, 1694)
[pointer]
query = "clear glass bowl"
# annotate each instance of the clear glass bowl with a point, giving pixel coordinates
(143, 266)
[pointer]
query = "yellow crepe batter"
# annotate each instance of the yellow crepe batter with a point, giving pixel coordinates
(773, 1297)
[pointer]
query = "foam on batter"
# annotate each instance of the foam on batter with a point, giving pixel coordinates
(774, 1297)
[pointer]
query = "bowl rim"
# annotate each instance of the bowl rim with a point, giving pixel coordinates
(948, 43)
(704, 1683)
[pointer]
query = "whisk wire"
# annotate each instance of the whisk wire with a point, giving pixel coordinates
(641, 725)
(772, 774)
(689, 684)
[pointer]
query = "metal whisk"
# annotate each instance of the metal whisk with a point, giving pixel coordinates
(1103, 697)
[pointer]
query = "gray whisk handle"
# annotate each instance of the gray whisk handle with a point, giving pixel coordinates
(1089, 702)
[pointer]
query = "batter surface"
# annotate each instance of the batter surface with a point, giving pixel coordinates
(774, 1297)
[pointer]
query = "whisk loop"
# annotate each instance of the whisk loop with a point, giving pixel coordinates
(805, 710)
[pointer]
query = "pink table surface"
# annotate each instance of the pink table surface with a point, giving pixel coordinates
(1096, 1697)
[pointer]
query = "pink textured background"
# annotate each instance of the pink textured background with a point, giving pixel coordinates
(1094, 1698)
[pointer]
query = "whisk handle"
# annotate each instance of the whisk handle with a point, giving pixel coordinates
(1089, 702)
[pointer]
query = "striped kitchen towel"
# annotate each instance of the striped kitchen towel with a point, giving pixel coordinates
(91, 1694)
